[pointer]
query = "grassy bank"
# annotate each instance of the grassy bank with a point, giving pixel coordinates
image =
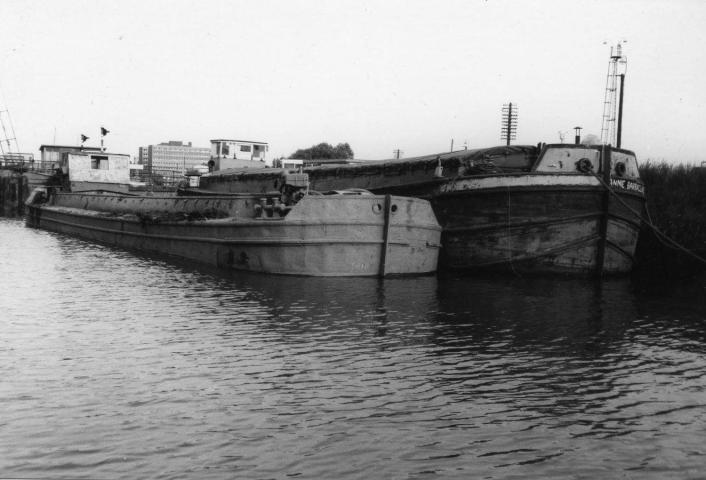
(676, 203)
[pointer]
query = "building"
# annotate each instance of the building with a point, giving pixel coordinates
(237, 154)
(172, 157)
(53, 153)
(288, 163)
(96, 171)
(291, 163)
(142, 156)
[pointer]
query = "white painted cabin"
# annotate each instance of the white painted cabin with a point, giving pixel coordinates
(97, 171)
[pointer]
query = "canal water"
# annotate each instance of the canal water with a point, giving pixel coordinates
(115, 365)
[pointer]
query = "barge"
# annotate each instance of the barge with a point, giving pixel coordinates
(569, 208)
(296, 232)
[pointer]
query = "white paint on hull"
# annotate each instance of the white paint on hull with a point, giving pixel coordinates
(520, 181)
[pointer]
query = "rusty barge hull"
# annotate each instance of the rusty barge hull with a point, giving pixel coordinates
(538, 223)
(320, 236)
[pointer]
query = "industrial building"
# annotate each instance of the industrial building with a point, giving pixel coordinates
(173, 156)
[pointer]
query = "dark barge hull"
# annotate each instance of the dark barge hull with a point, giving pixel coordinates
(538, 223)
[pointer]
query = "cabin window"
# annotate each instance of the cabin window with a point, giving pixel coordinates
(99, 162)
(628, 160)
(245, 148)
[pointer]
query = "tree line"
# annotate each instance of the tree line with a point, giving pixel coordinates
(324, 150)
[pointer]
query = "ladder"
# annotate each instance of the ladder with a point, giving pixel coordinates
(616, 69)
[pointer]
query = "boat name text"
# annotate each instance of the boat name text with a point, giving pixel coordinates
(627, 185)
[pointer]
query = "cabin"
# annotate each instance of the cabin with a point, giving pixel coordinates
(289, 164)
(96, 171)
(53, 153)
(227, 154)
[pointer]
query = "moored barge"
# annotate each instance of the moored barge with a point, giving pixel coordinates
(568, 208)
(296, 232)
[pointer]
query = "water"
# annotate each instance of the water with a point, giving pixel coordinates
(114, 365)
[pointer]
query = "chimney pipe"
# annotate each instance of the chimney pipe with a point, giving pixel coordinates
(578, 135)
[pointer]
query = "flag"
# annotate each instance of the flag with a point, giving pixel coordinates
(83, 138)
(104, 131)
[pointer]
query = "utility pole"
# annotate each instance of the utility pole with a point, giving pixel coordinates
(508, 128)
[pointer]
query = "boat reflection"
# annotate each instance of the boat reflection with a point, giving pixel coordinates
(551, 316)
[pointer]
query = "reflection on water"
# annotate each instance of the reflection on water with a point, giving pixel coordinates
(122, 366)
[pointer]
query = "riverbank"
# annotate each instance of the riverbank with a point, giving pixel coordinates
(676, 206)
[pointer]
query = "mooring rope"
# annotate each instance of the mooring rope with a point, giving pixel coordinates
(663, 238)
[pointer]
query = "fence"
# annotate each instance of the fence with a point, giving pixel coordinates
(158, 181)
(162, 181)
(24, 162)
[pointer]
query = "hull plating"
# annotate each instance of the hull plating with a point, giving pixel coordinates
(320, 236)
(538, 223)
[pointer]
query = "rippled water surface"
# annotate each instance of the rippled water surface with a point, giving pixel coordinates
(114, 365)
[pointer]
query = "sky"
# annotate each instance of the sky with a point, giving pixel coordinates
(380, 75)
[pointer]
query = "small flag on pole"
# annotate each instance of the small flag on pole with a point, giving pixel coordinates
(83, 138)
(104, 132)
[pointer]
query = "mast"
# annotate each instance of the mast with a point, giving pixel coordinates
(620, 111)
(611, 128)
(8, 142)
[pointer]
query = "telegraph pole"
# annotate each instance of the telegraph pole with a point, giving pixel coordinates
(508, 128)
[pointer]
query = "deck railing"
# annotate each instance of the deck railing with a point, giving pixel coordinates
(24, 162)
(164, 181)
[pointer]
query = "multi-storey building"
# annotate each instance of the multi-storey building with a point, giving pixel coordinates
(142, 156)
(173, 156)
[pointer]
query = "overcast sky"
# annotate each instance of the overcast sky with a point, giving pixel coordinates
(380, 75)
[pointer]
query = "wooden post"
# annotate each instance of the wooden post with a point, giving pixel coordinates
(385, 237)
(22, 194)
(605, 207)
(2, 194)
